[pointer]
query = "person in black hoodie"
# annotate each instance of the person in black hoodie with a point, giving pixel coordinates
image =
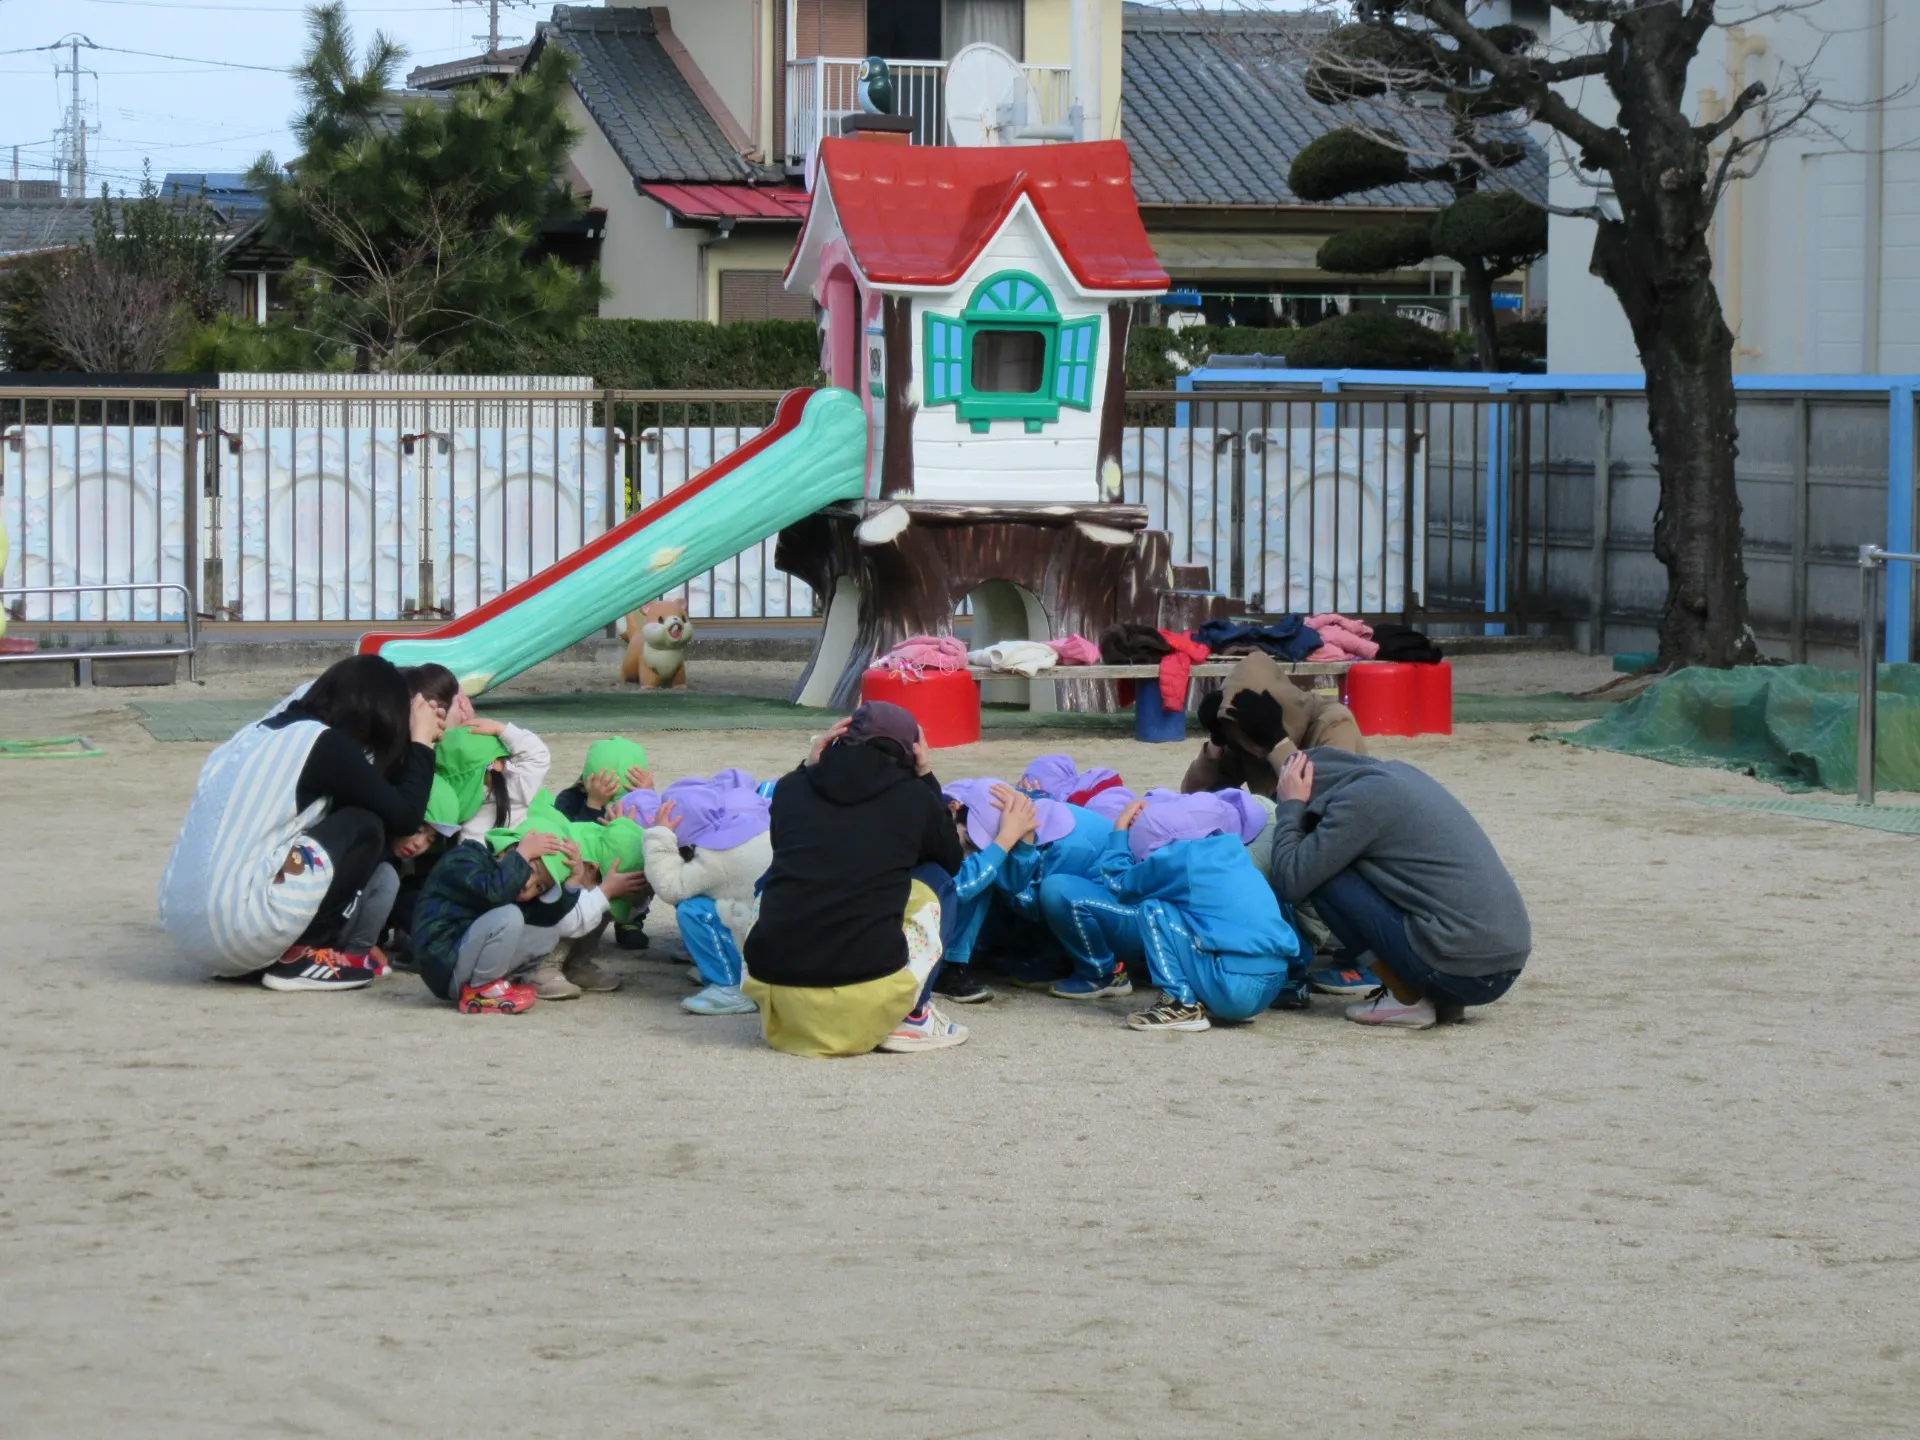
(853, 909)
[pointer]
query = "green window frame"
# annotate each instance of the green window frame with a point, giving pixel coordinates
(1010, 300)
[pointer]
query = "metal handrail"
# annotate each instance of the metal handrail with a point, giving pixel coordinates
(191, 650)
(1867, 747)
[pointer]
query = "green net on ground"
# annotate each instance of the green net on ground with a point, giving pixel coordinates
(1790, 725)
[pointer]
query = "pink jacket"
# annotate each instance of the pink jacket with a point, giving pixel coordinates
(1342, 638)
(919, 655)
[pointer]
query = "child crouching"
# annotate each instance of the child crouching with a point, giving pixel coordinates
(482, 919)
(707, 848)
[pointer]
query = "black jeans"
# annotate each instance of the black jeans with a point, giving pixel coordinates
(356, 842)
(1361, 918)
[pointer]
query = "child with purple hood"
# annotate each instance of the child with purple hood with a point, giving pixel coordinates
(707, 848)
(995, 822)
(1185, 897)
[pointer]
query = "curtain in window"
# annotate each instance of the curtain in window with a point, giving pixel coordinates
(997, 22)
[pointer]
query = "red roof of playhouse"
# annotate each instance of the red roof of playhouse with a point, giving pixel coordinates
(921, 214)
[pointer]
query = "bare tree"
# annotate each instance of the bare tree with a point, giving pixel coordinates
(1657, 174)
(102, 317)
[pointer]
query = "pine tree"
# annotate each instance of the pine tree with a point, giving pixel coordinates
(415, 226)
(1469, 140)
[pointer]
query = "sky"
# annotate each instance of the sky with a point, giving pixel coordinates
(211, 90)
(204, 108)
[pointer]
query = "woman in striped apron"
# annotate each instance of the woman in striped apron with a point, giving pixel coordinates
(279, 869)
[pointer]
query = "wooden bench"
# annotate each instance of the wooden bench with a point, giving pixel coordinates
(1044, 701)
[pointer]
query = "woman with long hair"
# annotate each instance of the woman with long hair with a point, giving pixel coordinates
(277, 870)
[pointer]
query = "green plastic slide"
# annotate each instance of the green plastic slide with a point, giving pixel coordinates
(814, 453)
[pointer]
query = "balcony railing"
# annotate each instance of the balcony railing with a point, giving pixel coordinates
(822, 90)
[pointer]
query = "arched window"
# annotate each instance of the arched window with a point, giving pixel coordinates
(1009, 355)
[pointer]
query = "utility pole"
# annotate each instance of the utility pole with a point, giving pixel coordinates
(73, 135)
(493, 36)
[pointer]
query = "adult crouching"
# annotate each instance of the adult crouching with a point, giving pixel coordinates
(278, 868)
(858, 904)
(1395, 865)
(1258, 718)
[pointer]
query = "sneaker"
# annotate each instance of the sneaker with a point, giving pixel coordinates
(631, 937)
(589, 974)
(374, 962)
(925, 1029)
(1294, 995)
(1171, 1015)
(959, 984)
(1078, 987)
(719, 1000)
(315, 970)
(1344, 980)
(502, 997)
(550, 982)
(1380, 1008)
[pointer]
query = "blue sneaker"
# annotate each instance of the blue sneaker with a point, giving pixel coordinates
(718, 1000)
(1078, 987)
(1347, 979)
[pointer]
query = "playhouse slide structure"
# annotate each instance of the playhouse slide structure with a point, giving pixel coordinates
(814, 453)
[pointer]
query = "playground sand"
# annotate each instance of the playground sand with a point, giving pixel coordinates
(1664, 1189)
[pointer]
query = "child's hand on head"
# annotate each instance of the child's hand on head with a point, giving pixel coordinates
(461, 711)
(1018, 817)
(1124, 820)
(602, 786)
(668, 815)
(618, 884)
(484, 727)
(639, 778)
(537, 844)
(1296, 777)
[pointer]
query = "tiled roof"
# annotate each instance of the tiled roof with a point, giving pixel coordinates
(27, 226)
(639, 98)
(1214, 110)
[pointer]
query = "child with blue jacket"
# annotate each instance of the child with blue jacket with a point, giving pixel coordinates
(995, 822)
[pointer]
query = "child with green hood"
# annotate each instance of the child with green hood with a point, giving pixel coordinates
(484, 919)
(614, 768)
(494, 771)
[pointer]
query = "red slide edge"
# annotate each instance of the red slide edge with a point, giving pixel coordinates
(786, 420)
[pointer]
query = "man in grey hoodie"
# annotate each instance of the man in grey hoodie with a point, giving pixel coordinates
(1396, 866)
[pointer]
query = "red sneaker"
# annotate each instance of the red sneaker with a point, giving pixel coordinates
(502, 997)
(374, 962)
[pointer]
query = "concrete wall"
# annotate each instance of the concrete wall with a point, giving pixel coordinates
(1818, 256)
(1050, 42)
(652, 272)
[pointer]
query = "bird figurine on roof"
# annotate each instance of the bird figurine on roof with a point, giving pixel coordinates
(876, 86)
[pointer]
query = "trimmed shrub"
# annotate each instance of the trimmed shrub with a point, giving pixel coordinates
(673, 355)
(1374, 249)
(1344, 162)
(1502, 230)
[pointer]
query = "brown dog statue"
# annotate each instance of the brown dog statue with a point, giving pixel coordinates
(657, 636)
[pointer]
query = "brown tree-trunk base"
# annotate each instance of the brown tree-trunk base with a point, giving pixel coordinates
(887, 570)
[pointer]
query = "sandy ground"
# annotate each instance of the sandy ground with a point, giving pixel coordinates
(1664, 1189)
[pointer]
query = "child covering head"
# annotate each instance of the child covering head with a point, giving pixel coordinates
(494, 771)
(707, 847)
(484, 919)
(1058, 777)
(994, 820)
(1216, 942)
(615, 768)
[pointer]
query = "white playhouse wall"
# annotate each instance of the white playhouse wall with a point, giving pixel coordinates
(1060, 463)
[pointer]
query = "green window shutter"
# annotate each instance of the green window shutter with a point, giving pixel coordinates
(944, 359)
(1073, 365)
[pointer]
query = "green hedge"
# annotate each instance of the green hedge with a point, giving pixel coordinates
(676, 355)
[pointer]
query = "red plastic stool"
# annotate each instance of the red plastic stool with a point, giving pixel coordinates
(947, 706)
(1433, 699)
(1381, 697)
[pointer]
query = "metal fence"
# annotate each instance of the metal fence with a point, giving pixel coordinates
(1456, 501)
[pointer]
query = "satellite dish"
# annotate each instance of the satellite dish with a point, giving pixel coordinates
(988, 95)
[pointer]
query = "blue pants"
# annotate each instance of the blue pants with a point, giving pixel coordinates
(1361, 918)
(1232, 987)
(710, 943)
(1097, 930)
